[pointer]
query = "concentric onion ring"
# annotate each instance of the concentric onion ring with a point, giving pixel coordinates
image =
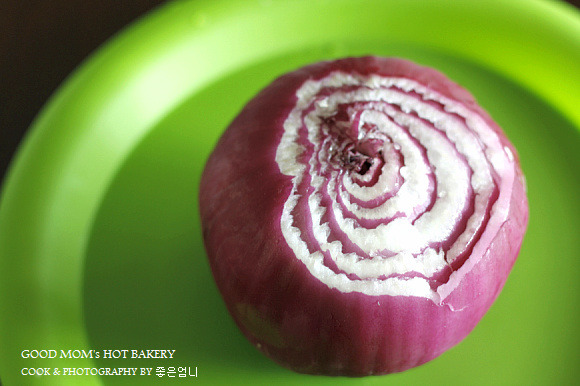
(432, 176)
(365, 197)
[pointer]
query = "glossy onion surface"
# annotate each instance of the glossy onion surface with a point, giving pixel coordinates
(361, 215)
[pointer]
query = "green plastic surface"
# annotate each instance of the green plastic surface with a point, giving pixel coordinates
(100, 240)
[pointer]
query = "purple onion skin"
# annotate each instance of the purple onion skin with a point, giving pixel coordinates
(286, 312)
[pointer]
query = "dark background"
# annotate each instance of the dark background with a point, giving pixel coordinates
(41, 42)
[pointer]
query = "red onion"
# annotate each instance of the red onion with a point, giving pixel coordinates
(361, 215)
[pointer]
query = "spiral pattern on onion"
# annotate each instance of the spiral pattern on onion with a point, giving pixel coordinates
(393, 184)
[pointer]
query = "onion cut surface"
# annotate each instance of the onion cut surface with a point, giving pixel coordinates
(361, 215)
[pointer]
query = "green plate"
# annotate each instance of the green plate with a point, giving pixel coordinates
(100, 241)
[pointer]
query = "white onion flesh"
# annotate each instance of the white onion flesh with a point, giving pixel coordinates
(462, 152)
